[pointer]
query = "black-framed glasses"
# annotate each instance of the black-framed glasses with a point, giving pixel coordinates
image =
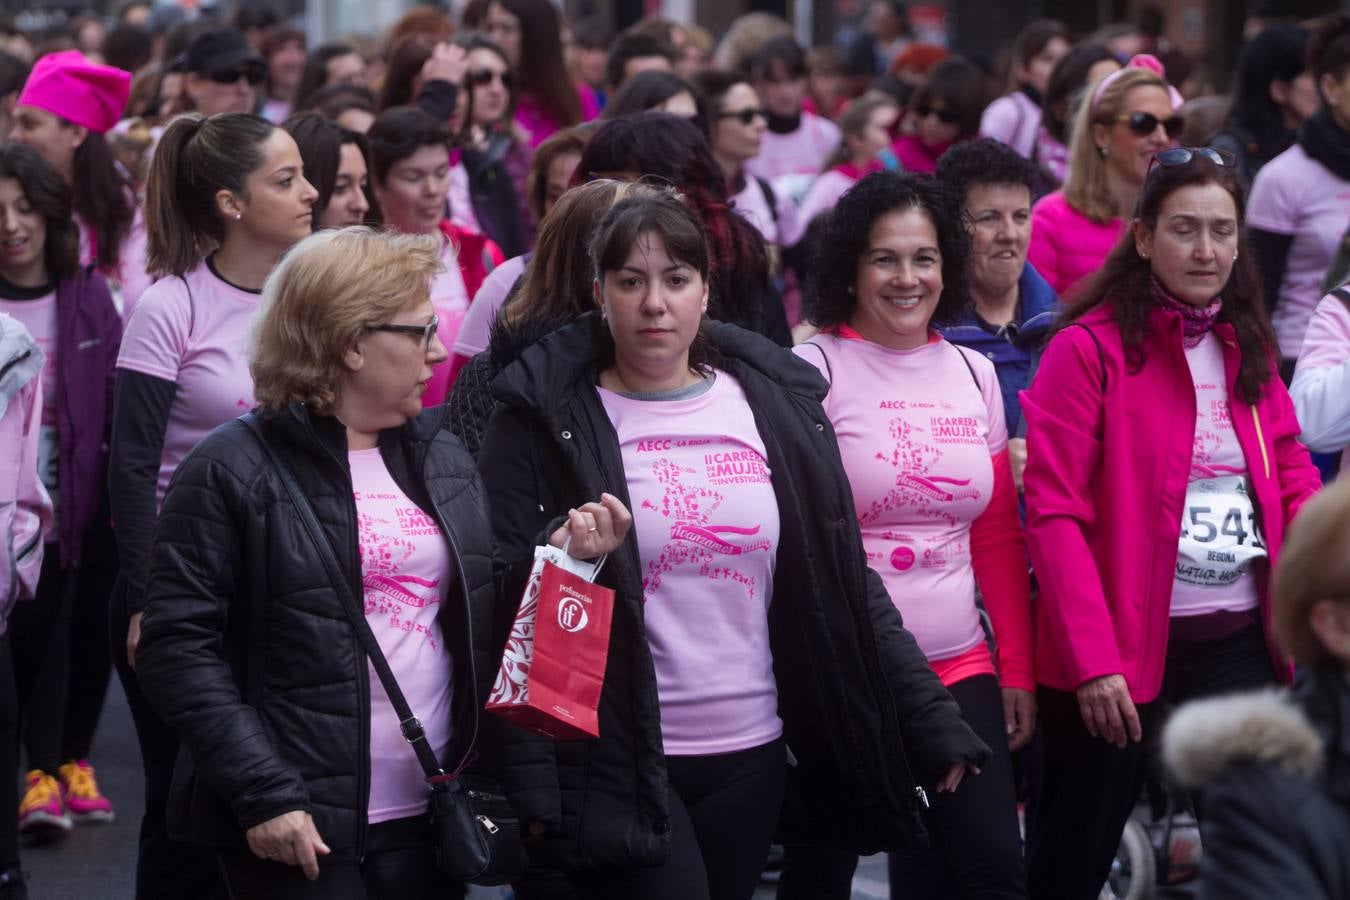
(744, 116)
(944, 115)
(425, 332)
(1179, 156)
(1142, 124)
(484, 77)
(253, 74)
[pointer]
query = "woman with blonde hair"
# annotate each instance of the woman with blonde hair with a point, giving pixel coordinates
(1129, 116)
(251, 618)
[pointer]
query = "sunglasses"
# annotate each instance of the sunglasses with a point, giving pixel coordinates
(1179, 156)
(746, 116)
(252, 74)
(1142, 124)
(425, 332)
(484, 77)
(946, 116)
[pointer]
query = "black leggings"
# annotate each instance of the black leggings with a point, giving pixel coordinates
(976, 849)
(9, 759)
(976, 845)
(723, 814)
(1090, 787)
(400, 864)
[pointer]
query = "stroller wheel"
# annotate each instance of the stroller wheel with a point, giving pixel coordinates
(1134, 871)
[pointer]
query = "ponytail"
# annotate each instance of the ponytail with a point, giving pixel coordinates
(197, 156)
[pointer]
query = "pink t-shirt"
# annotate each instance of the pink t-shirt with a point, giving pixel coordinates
(1294, 195)
(1066, 246)
(821, 198)
(1218, 531)
(406, 569)
(477, 327)
(540, 124)
(800, 152)
(130, 280)
(461, 199)
(773, 223)
(193, 331)
(706, 520)
(1013, 119)
(917, 432)
(450, 299)
(38, 315)
(1321, 386)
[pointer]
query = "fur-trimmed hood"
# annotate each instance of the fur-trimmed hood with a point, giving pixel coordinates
(1203, 738)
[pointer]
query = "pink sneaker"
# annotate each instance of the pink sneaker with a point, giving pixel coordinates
(41, 812)
(80, 789)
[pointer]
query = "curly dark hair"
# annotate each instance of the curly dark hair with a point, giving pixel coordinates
(1124, 281)
(830, 299)
(985, 161)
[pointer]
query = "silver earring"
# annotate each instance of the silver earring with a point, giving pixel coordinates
(1104, 151)
(604, 314)
(237, 216)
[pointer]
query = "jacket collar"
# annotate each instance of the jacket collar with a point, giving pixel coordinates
(550, 372)
(302, 428)
(1037, 307)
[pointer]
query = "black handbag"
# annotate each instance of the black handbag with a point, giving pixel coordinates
(477, 834)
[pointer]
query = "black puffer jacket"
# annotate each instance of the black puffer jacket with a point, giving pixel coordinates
(863, 713)
(1273, 769)
(245, 648)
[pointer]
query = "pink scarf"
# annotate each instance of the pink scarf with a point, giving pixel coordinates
(1196, 321)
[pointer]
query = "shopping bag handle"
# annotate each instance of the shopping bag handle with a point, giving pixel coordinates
(595, 566)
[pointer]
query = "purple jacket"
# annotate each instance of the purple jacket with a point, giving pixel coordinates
(88, 336)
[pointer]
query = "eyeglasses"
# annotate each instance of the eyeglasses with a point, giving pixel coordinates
(745, 116)
(252, 74)
(1142, 124)
(425, 332)
(484, 77)
(1179, 156)
(946, 116)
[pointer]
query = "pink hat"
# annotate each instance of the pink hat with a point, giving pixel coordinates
(70, 86)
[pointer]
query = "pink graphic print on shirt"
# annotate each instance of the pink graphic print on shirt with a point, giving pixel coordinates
(384, 555)
(694, 540)
(1211, 425)
(916, 455)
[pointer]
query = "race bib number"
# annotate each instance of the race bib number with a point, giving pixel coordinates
(1219, 534)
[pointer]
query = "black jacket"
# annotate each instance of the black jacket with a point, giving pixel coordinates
(863, 714)
(246, 649)
(1274, 774)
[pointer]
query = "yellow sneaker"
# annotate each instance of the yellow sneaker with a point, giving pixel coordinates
(84, 802)
(42, 811)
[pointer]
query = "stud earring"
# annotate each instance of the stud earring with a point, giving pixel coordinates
(1104, 151)
(237, 217)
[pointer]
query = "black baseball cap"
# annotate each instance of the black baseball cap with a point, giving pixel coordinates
(220, 50)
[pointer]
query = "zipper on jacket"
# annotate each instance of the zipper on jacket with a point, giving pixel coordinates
(1261, 440)
(444, 524)
(362, 671)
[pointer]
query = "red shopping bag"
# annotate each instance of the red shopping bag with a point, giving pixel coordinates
(554, 666)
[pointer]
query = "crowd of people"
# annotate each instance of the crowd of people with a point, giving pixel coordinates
(943, 423)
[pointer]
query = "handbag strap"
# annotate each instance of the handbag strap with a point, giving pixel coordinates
(408, 723)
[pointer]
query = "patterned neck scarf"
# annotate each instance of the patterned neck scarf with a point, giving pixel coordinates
(1196, 321)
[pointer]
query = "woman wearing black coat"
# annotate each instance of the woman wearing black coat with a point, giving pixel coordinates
(296, 771)
(755, 661)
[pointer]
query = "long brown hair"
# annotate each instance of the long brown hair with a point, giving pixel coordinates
(1124, 282)
(543, 74)
(557, 282)
(197, 156)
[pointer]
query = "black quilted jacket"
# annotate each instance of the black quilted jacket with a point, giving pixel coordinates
(863, 714)
(245, 648)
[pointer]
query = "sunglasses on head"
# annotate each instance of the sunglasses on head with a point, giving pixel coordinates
(1179, 156)
(424, 333)
(946, 116)
(252, 74)
(484, 77)
(746, 116)
(1143, 124)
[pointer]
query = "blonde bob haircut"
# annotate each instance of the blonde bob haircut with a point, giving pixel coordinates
(326, 291)
(1314, 566)
(1085, 187)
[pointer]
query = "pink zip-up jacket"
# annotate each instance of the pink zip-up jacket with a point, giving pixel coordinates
(1066, 246)
(1107, 471)
(25, 507)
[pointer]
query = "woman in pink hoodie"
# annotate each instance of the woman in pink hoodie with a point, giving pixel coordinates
(1163, 467)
